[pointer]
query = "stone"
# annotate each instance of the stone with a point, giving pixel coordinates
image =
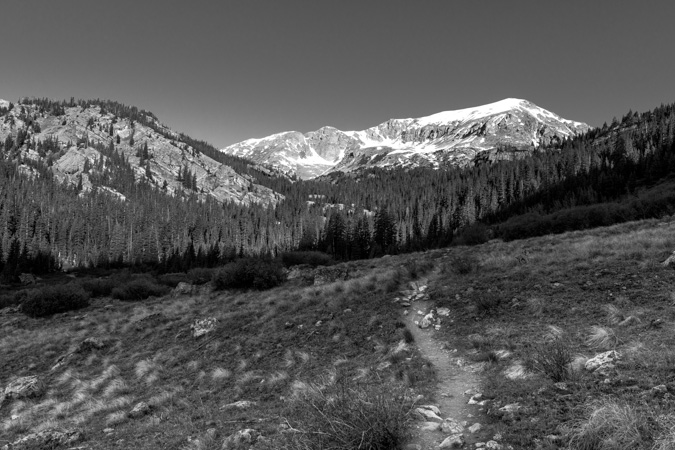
(445, 312)
(240, 440)
(476, 427)
(493, 445)
(48, 439)
(24, 387)
(203, 326)
(108, 430)
(91, 343)
(451, 426)
(430, 426)
(670, 261)
(433, 408)
(516, 371)
(427, 321)
(475, 399)
(602, 360)
(454, 441)
(427, 415)
(139, 410)
(182, 288)
(241, 404)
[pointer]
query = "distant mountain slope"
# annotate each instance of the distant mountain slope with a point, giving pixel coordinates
(72, 137)
(450, 138)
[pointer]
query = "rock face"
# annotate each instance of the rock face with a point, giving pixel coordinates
(495, 131)
(80, 129)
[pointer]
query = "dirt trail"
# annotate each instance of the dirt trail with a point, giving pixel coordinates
(455, 377)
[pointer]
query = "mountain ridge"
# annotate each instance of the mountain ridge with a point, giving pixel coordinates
(445, 138)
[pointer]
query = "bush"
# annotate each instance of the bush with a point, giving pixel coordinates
(310, 258)
(172, 279)
(99, 287)
(52, 300)
(139, 289)
(552, 359)
(200, 275)
(249, 273)
(464, 264)
(343, 416)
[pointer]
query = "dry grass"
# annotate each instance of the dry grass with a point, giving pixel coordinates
(609, 425)
(602, 338)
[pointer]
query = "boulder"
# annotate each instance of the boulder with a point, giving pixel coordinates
(24, 387)
(670, 262)
(240, 440)
(475, 428)
(203, 326)
(603, 360)
(48, 439)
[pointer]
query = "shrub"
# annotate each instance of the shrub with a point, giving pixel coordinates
(310, 258)
(464, 264)
(609, 425)
(200, 275)
(98, 287)
(347, 416)
(552, 359)
(56, 299)
(172, 279)
(249, 273)
(139, 289)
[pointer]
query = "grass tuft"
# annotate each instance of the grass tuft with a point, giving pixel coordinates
(609, 425)
(602, 338)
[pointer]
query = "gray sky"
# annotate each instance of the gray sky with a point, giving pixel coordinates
(224, 71)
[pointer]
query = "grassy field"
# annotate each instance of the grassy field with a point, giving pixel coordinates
(273, 348)
(302, 356)
(551, 303)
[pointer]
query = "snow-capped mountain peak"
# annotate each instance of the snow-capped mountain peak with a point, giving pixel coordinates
(448, 137)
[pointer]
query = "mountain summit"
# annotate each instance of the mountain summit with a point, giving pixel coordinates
(446, 138)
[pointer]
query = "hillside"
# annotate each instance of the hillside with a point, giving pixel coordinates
(524, 318)
(78, 141)
(502, 129)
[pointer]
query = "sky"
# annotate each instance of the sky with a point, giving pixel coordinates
(225, 70)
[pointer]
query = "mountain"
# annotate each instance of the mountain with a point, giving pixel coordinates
(78, 140)
(450, 138)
